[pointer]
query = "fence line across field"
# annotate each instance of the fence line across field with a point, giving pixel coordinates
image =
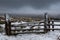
(46, 24)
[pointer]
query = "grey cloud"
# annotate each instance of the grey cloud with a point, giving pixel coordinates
(29, 6)
(37, 4)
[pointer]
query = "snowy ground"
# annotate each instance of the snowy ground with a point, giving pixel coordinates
(52, 35)
(48, 36)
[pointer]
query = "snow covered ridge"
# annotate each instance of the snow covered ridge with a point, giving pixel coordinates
(16, 23)
(52, 35)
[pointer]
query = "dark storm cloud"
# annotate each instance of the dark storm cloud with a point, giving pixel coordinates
(37, 4)
(29, 6)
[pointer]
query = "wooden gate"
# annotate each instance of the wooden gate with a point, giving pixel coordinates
(13, 29)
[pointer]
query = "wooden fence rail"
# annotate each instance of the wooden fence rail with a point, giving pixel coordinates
(36, 29)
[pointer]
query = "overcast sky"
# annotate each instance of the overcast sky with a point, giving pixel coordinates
(30, 6)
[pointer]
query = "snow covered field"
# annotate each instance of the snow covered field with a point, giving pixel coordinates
(48, 36)
(52, 35)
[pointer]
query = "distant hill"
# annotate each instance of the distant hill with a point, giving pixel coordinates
(32, 15)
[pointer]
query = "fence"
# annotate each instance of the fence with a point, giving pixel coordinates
(47, 24)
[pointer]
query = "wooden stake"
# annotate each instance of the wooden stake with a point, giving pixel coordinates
(45, 21)
(52, 24)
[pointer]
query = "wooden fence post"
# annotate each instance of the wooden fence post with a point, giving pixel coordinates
(45, 22)
(7, 25)
(53, 24)
(49, 24)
